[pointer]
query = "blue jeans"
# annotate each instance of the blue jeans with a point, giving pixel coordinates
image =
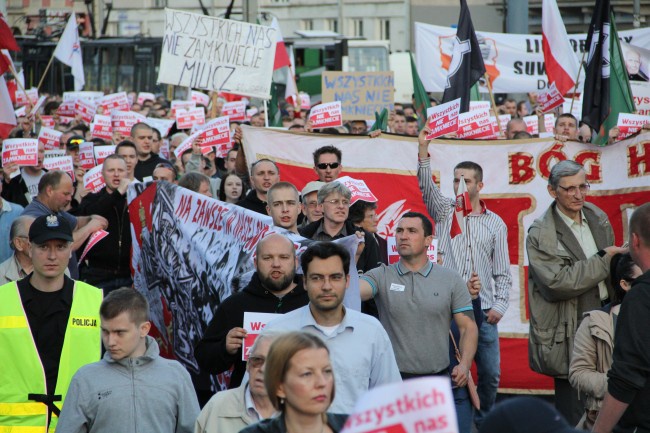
(464, 409)
(488, 365)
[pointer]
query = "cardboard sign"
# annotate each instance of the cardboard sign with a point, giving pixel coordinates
(629, 124)
(361, 93)
(358, 188)
(393, 254)
(145, 96)
(101, 127)
(101, 152)
(92, 241)
(200, 98)
(85, 109)
(326, 115)
(532, 124)
(475, 124)
(87, 155)
(549, 99)
(51, 138)
(93, 179)
(217, 134)
(185, 119)
(114, 101)
(20, 151)
(63, 163)
(443, 119)
(178, 105)
(208, 53)
(254, 324)
(549, 122)
(123, 121)
(47, 121)
(236, 111)
(66, 109)
(162, 125)
(412, 406)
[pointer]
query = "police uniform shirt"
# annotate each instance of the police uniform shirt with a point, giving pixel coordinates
(47, 315)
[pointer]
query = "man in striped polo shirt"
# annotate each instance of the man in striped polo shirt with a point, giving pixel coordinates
(488, 240)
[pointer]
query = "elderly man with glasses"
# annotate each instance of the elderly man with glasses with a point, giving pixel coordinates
(569, 252)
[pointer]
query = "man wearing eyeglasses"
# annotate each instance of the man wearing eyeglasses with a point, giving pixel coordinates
(327, 163)
(569, 252)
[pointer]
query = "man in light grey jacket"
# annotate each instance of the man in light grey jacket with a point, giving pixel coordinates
(132, 389)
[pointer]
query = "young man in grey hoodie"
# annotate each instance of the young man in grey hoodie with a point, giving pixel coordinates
(132, 389)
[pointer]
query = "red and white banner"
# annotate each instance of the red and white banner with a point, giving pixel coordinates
(185, 119)
(86, 109)
(629, 124)
(93, 179)
(50, 138)
(443, 118)
(123, 121)
(101, 127)
(475, 124)
(217, 134)
(549, 99)
(101, 152)
(92, 241)
(20, 151)
(87, 155)
(236, 111)
(532, 124)
(114, 101)
(254, 324)
(358, 188)
(326, 115)
(516, 178)
(63, 163)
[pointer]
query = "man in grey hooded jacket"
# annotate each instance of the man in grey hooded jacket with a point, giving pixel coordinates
(132, 389)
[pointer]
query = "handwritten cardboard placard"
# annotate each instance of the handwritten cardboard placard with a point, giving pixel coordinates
(358, 188)
(443, 119)
(101, 127)
(254, 324)
(235, 110)
(50, 138)
(326, 115)
(101, 152)
(20, 151)
(87, 155)
(210, 53)
(93, 179)
(185, 119)
(361, 93)
(114, 101)
(629, 124)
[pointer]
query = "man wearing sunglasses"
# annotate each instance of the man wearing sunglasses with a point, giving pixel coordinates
(327, 163)
(569, 252)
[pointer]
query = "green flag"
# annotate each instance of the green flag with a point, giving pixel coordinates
(275, 117)
(381, 121)
(422, 101)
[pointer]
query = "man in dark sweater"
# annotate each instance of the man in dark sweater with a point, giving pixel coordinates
(264, 174)
(107, 264)
(274, 288)
(142, 137)
(626, 406)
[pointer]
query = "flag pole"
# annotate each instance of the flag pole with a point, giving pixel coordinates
(213, 108)
(15, 74)
(47, 68)
(469, 244)
(575, 88)
(266, 114)
(494, 105)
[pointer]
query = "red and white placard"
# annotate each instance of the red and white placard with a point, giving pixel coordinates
(254, 324)
(85, 109)
(87, 155)
(532, 124)
(443, 119)
(20, 151)
(114, 101)
(475, 124)
(101, 127)
(358, 188)
(185, 119)
(50, 138)
(328, 115)
(236, 111)
(93, 179)
(92, 241)
(101, 152)
(629, 124)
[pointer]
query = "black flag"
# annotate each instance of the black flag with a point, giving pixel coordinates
(595, 99)
(466, 62)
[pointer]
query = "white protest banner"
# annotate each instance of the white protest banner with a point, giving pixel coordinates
(443, 118)
(217, 134)
(532, 124)
(50, 138)
(162, 125)
(358, 188)
(393, 254)
(87, 95)
(475, 124)
(629, 124)
(235, 110)
(86, 109)
(123, 121)
(180, 104)
(413, 406)
(87, 155)
(93, 179)
(549, 99)
(20, 151)
(145, 96)
(114, 101)
(101, 127)
(200, 98)
(326, 115)
(187, 143)
(514, 62)
(209, 53)
(185, 119)
(92, 241)
(47, 121)
(66, 109)
(101, 152)
(549, 122)
(38, 105)
(254, 324)
(63, 163)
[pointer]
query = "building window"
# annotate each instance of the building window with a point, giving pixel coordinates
(332, 24)
(356, 27)
(306, 24)
(384, 28)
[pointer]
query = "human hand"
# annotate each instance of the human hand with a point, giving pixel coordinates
(459, 375)
(493, 317)
(235, 340)
(474, 285)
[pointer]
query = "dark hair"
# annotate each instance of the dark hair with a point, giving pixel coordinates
(640, 223)
(327, 149)
(569, 115)
(125, 143)
(99, 141)
(155, 131)
(125, 299)
(521, 135)
(51, 178)
(193, 180)
(324, 250)
(259, 161)
(426, 223)
(411, 119)
(469, 165)
(81, 127)
(222, 187)
(69, 143)
(621, 268)
(358, 211)
(50, 108)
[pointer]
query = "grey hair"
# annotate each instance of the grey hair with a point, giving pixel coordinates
(193, 180)
(15, 230)
(563, 169)
(180, 135)
(333, 188)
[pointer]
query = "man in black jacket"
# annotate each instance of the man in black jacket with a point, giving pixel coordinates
(107, 264)
(142, 137)
(274, 288)
(264, 174)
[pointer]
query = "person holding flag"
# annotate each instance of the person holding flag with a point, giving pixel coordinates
(474, 240)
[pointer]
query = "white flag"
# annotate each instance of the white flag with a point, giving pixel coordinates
(7, 117)
(68, 51)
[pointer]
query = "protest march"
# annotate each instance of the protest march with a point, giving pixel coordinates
(236, 254)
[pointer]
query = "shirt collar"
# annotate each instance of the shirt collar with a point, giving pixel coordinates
(424, 270)
(321, 229)
(569, 221)
(307, 319)
(250, 404)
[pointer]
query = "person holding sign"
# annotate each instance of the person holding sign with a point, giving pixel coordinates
(359, 346)
(23, 188)
(299, 380)
(479, 251)
(273, 288)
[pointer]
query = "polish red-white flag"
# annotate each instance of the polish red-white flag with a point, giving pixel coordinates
(463, 208)
(7, 116)
(6, 63)
(7, 39)
(281, 56)
(562, 66)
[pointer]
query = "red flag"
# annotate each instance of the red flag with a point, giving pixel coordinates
(7, 116)
(281, 56)
(562, 66)
(463, 208)
(5, 61)
(7, 40)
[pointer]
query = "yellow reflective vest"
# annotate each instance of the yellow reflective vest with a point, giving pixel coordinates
(21, 370)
